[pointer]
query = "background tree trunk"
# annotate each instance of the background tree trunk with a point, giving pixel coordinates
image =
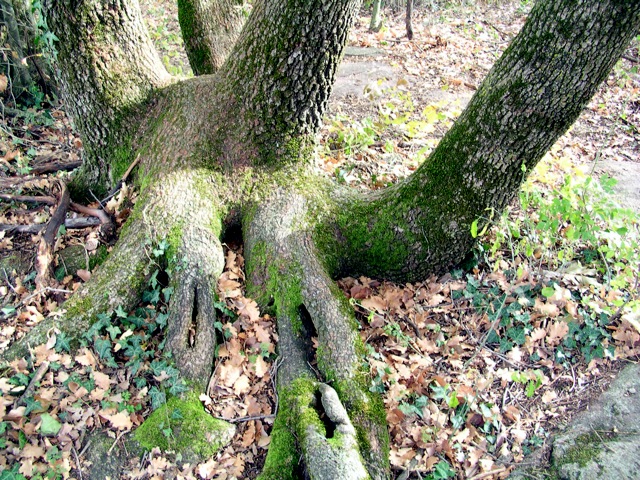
(407, 19)
(26, 63)
(210, 29)
(374, 25)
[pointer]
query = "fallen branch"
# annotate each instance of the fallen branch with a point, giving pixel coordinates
(44, 258)
(76, 207)
(28, 199)
(55, 166)
(69, 223)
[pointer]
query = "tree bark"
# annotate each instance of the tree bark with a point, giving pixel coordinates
(234, 148)
(108, 67)
(407, 19)
(210, 28)
(374, 25)
(534, 92)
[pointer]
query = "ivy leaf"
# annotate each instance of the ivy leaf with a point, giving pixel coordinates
(50, 426)
(32, 405)
(62, 343)
(158, 398)
(103, 347)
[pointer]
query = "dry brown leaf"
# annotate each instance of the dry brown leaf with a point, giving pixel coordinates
(242, 384)
(261, 367)
(102, 380)
(249, 435)
(556, 332)
(374, 303)
(121, 421)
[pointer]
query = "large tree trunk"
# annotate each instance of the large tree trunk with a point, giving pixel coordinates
(234, 148)
(108, 67)
(210, 29)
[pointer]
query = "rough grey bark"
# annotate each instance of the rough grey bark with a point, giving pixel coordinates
(108, 67)
(233, 148)
(278, 79)
(532, 95)
(209, 28)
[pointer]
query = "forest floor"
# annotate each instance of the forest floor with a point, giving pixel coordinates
(477, 367)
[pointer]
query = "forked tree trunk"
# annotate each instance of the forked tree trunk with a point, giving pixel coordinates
(210, 29)
(235, 148)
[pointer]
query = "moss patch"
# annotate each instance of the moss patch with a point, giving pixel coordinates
(184, 426)
(585, 448)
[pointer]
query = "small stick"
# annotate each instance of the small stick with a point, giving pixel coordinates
(70, 223)
(246, 419)
(77, 463)
(488, 474)
(114, 443)
(32, 384)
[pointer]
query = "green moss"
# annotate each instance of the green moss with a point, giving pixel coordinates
(184, 426)
(99, 257)
(294, 416)
(585, 448)
(283, 456)
(121, 158)
(174, 238)
(276, 280)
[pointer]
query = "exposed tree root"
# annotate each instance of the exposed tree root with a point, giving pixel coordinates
(327, 422)
(191, 332)
(340, 432)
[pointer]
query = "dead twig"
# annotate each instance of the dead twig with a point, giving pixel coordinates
(44, 258)
(42, 369)
(55, 166)
(488, 474)
(246, 419)
(69, 223)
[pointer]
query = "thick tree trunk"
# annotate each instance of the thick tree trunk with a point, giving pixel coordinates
(234, 148)
(108, 67)
(210, 29)
(534, 92)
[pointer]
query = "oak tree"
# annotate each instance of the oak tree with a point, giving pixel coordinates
(233, 148)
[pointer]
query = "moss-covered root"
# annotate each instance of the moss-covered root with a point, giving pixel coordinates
(283, 263)
(118, 282)
(191, 333)
(194, 433)
(313, 424)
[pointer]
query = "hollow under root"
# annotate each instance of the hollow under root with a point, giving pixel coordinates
(191, 335)
(283, 263)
